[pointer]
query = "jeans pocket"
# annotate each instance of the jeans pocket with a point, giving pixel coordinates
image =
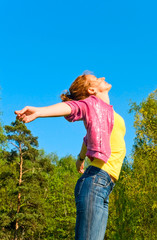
(102, 181)
(102, 186)
(78, 186)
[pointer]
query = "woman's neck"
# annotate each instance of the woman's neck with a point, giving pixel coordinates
(103, 96)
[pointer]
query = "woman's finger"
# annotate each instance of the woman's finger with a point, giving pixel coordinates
(20, 117)
(20, 112)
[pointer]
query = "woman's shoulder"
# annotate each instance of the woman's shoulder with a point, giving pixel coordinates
(94, 101)
(91, 98)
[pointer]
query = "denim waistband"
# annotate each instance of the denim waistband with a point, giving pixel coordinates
(96, 170)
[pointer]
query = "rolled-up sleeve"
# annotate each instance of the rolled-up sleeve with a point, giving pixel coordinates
(78, 110)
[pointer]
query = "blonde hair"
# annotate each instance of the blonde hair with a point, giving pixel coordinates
(78, 89)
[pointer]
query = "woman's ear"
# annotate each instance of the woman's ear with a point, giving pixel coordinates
(91, 90)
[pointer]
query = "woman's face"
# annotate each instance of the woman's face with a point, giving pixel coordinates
(99, 84)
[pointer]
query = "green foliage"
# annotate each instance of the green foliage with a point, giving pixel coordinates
(61, 212)
(2, 138)
(19, 133)
(143, 179)
(23, 179)
(47, 206)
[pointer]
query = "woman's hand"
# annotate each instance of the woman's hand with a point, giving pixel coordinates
(80, 166)
(27, 114)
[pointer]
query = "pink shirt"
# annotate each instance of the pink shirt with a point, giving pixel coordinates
(98, 118)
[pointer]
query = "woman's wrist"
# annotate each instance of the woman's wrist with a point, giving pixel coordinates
(39, 112)
(80, 158)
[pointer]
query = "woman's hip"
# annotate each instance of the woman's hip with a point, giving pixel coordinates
(94, 183)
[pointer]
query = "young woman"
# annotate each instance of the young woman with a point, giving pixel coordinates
(88, 100)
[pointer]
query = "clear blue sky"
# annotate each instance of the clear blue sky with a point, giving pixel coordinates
(45, 45)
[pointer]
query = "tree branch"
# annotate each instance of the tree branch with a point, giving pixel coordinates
(31, 169)
(15, 145)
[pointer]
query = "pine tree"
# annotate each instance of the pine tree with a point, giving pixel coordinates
(21, 138)
(24, 185)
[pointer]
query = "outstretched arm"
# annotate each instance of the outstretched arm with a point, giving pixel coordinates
(29, 114)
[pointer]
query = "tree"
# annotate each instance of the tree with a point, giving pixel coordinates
(145, 168)
(22, 139)
(23, 179)
(61, 212)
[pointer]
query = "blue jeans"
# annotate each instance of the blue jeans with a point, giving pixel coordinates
(92, 198)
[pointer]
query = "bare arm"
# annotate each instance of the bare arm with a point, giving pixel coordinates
(29, 114)
(83, 151)
(82, 155)
(56, 110)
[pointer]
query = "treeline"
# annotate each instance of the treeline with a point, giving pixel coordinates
(37, 190)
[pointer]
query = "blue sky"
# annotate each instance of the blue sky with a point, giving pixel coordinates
(45, 45)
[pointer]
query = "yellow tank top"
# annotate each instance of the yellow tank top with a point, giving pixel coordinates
(118, 149)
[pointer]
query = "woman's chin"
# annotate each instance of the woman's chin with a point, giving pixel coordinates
(109, 87)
